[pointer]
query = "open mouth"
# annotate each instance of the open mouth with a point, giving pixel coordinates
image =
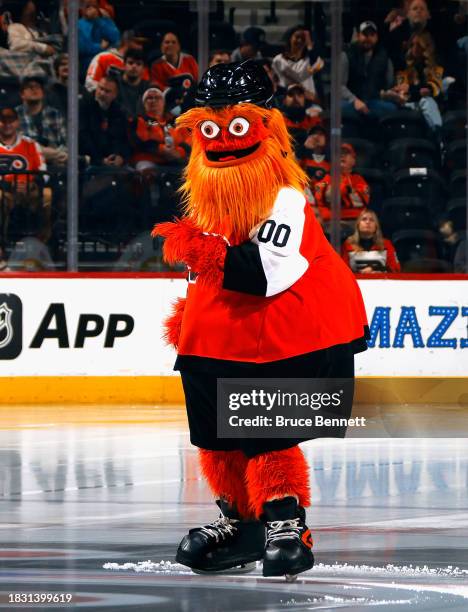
(222, 156)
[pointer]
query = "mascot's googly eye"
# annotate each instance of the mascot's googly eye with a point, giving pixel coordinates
(209, 129)
(239, 126)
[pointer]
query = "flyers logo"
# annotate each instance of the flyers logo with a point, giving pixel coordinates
(307, 539)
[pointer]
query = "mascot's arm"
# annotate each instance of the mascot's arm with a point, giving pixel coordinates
(203, 253)
(270, 262)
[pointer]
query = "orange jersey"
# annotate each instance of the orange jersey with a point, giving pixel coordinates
(380, 259)
(355, 196)
(23, 154)
(316, 170)
(148, 139)
(285, 293)
(162, 70)
(100, 65)
(305, 124)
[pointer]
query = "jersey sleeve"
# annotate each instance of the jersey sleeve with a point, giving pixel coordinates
(270, 262)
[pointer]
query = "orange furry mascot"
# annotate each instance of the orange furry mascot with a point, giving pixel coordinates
(267, 297)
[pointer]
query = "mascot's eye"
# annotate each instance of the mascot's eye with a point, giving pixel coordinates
(209, 129)
(239, 126)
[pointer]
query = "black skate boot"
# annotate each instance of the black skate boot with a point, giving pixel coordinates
(226, 543)
(288, 540)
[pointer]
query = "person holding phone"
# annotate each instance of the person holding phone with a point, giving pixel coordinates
(366, 251)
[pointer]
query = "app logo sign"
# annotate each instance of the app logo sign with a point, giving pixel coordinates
(11, 326)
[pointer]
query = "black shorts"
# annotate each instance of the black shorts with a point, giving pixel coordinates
(200, 396)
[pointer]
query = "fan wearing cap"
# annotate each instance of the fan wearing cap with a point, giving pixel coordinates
(18, 152)
(313, 157)
(153, 138)
(367, 75)
(296, 116)
(265, 299)
(354, 190)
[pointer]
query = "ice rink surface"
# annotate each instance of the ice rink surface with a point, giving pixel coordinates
(94, 501)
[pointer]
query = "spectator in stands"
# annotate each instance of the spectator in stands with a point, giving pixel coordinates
(355, 192)
(249, 48)
(400, 30)
(21, 192)
(153, 138)
(296, 116)
(95, 33)
(42, 123)
(24, 34)
(299, 62)
(450, 238)
(57, 89)
(367, 75)
(367, 251)
(103, 126)
(132, 85)
(219, 56)
(314, 157)
(112, 60)
(420, 84)
(172, 62)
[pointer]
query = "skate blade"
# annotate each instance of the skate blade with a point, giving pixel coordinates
(290, 577)
(245, 568)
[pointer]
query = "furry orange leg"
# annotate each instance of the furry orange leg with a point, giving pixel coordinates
(225, 473)
(275, 475)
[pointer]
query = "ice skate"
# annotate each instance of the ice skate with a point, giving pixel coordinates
(227, 543)
(288, 540)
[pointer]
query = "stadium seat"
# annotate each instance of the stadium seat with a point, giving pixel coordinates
(378, 184)
(413, 153)
(455, 156)
(416, 244)
(456, 212)
(154, 29)
(365, 151)
(403, 124)
(427, 265)
(351, 128)
(454, 126)
(9, 92)
(405, 213)
(457, 184)
(222, 35)
(421, 183)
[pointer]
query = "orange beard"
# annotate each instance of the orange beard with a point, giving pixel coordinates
(242, 192)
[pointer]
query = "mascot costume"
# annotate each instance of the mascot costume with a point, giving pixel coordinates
(267, 297)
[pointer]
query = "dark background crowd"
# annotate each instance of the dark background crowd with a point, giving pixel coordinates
(403, 101)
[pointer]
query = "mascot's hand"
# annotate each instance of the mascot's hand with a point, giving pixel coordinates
(203, 253)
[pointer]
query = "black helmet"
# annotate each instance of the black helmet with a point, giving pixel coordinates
(227, 84)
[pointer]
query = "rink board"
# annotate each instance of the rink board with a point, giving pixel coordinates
(88, 339)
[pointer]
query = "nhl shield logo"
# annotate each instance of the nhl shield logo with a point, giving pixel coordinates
(11, 326)
(6, 328)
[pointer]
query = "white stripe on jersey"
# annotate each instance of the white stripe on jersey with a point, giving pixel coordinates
(279, 239)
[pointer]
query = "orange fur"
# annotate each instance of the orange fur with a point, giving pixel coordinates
(225, 473)
(244, 192)
(186, 243)
(277, 474)
(173, 323)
